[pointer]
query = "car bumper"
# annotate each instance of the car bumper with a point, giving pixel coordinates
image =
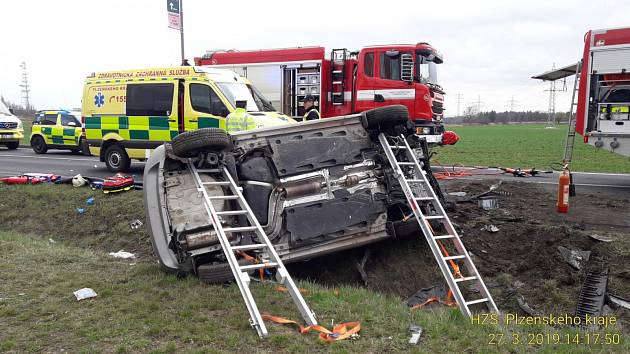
(8, 136)
(431, 131)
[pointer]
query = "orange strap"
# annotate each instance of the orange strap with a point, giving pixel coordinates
(282, 289)
(261, 271)
(340, 332)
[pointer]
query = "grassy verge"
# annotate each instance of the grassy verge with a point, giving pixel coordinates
(141, 309)
(525, 146)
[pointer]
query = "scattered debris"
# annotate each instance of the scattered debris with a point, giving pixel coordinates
(90, 201)
(21, 294)
(575, 258)
(602, 238)
(122, 254)
(490, 228)
(117, 183)
(51, 240)
(592, 294)
(79, 181)
(619, 301)
(488, 202)
(524, 306)
(457, 194)
(81, 211)
(136, 224)
(426, 296)
(84, 293)
(416, 332)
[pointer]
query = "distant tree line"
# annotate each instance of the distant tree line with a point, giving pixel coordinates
(493, 117)
(18, 109)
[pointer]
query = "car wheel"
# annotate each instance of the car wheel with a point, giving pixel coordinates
(189, 144)
(13, 145)
(39, 145)
(385, 116)
(116, 159)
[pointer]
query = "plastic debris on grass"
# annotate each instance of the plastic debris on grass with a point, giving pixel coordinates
(136, 224)
(84, 293)
(122, 254)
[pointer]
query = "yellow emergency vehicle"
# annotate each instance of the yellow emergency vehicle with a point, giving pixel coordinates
(57, 129)
(11, 130)
(128, 113)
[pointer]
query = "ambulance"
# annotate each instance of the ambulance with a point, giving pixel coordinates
(127, 114)
(11, 130)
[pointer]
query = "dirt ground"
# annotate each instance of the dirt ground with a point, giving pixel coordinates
(521, 259)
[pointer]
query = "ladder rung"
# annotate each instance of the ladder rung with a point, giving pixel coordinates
(337, 82)
(249, 247)
(337, 93)
(337, 71)
(416, 181)
(222, 197)
(423, 198)
(405, 163)
(221, 183)
(232, 212)
(453, 257)
(208, 170)
(465, 279)
(402, 147)
(432, 217)
(239, 229)
(476, 301)
(259, 265)
(337, 104)
(442, 237)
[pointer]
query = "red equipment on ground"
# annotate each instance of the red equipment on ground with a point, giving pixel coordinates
(118, 183)
(346, 82)
(562, 205)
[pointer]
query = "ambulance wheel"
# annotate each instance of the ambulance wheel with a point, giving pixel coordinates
(13, 145)
(189, 144)
(39, 145)
(385, 116)
(116, 159)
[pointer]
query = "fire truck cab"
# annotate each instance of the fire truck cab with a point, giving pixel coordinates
(345, 82)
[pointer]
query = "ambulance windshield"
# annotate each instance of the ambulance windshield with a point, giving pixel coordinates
(237, 91)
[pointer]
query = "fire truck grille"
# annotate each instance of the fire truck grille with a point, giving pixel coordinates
(438, 107)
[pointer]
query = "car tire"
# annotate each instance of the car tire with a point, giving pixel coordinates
(39, 145)
(189, 144)
(13, 145)
(384, 116)
(116, 159)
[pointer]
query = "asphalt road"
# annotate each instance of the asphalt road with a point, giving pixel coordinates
(59, 162)
(24, 160)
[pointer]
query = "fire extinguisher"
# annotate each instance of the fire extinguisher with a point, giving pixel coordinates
(563, 191)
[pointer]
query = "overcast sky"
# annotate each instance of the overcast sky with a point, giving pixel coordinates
(490, 48)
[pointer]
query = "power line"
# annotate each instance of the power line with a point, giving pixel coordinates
(512, 104)
(26, 91)
(460, 97)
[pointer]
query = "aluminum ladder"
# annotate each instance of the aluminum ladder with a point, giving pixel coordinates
(239, 271)
(570, 141)
(419, 179)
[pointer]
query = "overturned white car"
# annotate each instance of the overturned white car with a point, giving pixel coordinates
(316, 187)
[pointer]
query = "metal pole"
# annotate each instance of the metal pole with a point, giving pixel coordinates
(181, 25)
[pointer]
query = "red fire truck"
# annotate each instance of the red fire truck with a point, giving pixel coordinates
(345, 82)
(601, 92)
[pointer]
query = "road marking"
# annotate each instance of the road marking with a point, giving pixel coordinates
(601, 174)
(47, 157)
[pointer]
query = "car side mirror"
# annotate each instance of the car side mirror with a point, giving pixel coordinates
(406, 67)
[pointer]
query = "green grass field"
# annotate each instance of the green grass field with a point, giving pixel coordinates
(140, 308)
(525, 146)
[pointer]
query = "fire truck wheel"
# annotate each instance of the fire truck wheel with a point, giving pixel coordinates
(384, 116)
(189, 144)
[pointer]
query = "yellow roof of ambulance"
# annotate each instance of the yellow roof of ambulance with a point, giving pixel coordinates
(176, 72)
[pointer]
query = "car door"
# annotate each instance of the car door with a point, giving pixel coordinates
(49, 123)
(390, 89)
(204, 108)
(71, 129)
